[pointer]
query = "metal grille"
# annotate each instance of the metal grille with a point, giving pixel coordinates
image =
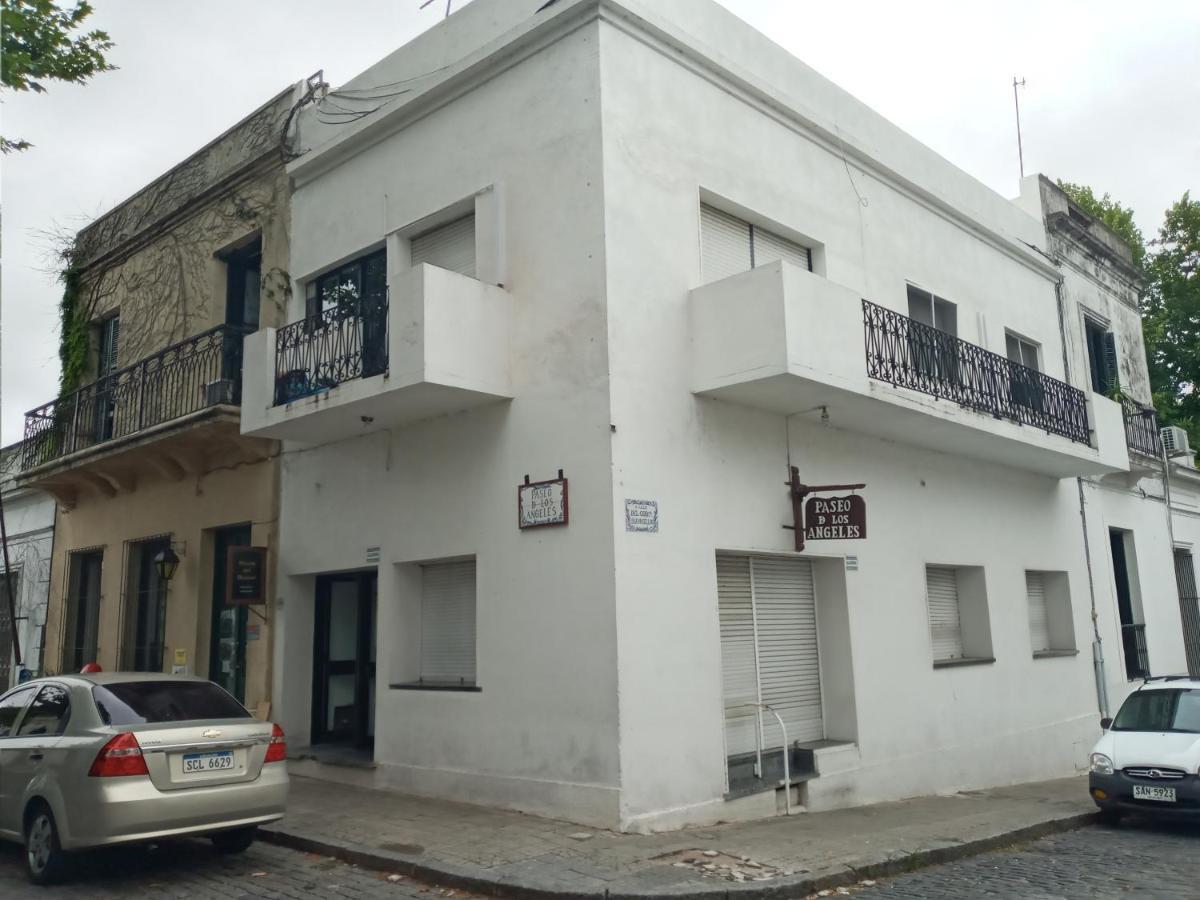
(331, 347)
(1141, 428)
(906, 353)
(1137, 659)
(1163, 774)
(1189, 608)
(202, 371)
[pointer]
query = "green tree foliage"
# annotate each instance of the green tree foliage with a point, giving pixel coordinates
(1171, 317)
(38, 43)
(1117, 217)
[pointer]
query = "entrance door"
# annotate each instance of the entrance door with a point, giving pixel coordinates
(148, 627)
(344, 659)
(227, 649)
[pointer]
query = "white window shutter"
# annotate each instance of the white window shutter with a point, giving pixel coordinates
(789, 668)
(739, 659)
(1039, 621)
(450, 246)
(770, 247)
(945, 627)
(448, 622)
(724, 244)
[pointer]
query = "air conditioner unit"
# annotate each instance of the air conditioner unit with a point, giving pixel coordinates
(1174, 439)
(218, 392)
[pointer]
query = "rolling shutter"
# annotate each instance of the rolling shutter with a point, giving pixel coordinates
(448, 622)
(724, 244)
(944, 626)
(449, 246)
(739, 666)
(769, 247)
(768, 650)
(1039, 622)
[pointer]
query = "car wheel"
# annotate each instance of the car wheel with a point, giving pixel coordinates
(1110, 817)
(234, 841)
(44, 857)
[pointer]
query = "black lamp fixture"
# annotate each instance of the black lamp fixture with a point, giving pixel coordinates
(166, 561)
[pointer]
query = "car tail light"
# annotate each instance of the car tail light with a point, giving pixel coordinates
(120, 756)
(277, 746)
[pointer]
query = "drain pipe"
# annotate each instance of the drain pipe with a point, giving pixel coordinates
(1097, 641)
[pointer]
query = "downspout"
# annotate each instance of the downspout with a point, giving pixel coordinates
(1097, 641)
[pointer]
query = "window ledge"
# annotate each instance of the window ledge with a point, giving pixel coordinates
(433, 686)
(965, 661)
(1050, 654)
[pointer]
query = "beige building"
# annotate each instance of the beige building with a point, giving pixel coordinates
(143, 449)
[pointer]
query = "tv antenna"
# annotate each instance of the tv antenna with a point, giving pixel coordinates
(448, 5)
(1017, 105)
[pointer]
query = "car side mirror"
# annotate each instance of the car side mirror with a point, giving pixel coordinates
(1106, 723)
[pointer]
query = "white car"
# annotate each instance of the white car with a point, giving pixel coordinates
(1148, 760)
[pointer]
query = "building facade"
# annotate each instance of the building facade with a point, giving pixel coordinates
(29, 525)
(144, 453)
(631, 272)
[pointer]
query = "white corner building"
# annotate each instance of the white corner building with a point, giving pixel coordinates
(638, 247)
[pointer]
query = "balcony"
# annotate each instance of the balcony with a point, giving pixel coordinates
(107, 434)
(437, 344)
(1141, 434)
(783, 339)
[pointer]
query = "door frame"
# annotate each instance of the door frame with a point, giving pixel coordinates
(223, 538)
(363, 667)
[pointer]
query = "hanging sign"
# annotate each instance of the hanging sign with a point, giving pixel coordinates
(246, 582)
(835, 518)
(542, 503)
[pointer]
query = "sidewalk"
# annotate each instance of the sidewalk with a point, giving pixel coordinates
(511, 854)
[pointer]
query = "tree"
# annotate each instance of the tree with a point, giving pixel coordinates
(37, 44)
(1171, 317)
(1117, 217)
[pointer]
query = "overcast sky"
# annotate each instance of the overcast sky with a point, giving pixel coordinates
(1112, 96)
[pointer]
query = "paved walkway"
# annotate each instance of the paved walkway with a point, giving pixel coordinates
(498, 852)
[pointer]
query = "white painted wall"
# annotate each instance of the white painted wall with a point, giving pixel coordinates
(29, 522)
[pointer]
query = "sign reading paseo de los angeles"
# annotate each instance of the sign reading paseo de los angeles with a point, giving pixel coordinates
(835, 518)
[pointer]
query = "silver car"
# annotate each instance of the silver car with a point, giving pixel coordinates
(112, 758)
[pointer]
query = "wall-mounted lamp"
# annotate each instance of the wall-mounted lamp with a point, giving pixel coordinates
(166, 561)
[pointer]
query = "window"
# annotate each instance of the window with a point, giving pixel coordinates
(345, 288)
(150, 702)
(448, 624)
(1102, 356)
(10, 709)
(1051, 626)
(1022, 351)
(1171, 710)
(933, 350)
(83, 609)
(48, 714)
(450, 246)
(1133, 630)
(1189, 606)
(932, 310)
(146, 613)
(243, 284)
(108, 334)
(729, 246)
(959, 629)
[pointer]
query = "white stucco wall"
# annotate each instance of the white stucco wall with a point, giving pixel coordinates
(29, 522)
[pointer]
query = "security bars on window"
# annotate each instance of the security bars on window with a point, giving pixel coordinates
(906, 353)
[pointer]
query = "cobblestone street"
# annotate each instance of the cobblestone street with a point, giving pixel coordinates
(187, 869)
(1138, 859)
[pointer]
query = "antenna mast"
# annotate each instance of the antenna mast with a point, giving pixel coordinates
(1017, 105)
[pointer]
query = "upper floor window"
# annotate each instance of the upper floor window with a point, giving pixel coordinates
(729, 245)
(1021, 351)
(108, 335)
(346, 286)
(243, 278)
(928, 309)
(1102, 356)
(450, 246)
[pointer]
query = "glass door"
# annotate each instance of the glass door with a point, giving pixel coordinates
(344, 659)
(227, 648)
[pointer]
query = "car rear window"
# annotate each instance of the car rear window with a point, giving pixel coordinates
(1161, 710)
(148, 702)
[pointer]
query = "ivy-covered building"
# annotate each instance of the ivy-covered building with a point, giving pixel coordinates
(142, 448)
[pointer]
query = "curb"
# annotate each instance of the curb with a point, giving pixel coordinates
(448, 875)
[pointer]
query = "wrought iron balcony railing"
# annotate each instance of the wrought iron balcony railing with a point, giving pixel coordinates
(1137, 658)
(201, 371)
(906, 353)
(1141, 428)
(332, 347)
